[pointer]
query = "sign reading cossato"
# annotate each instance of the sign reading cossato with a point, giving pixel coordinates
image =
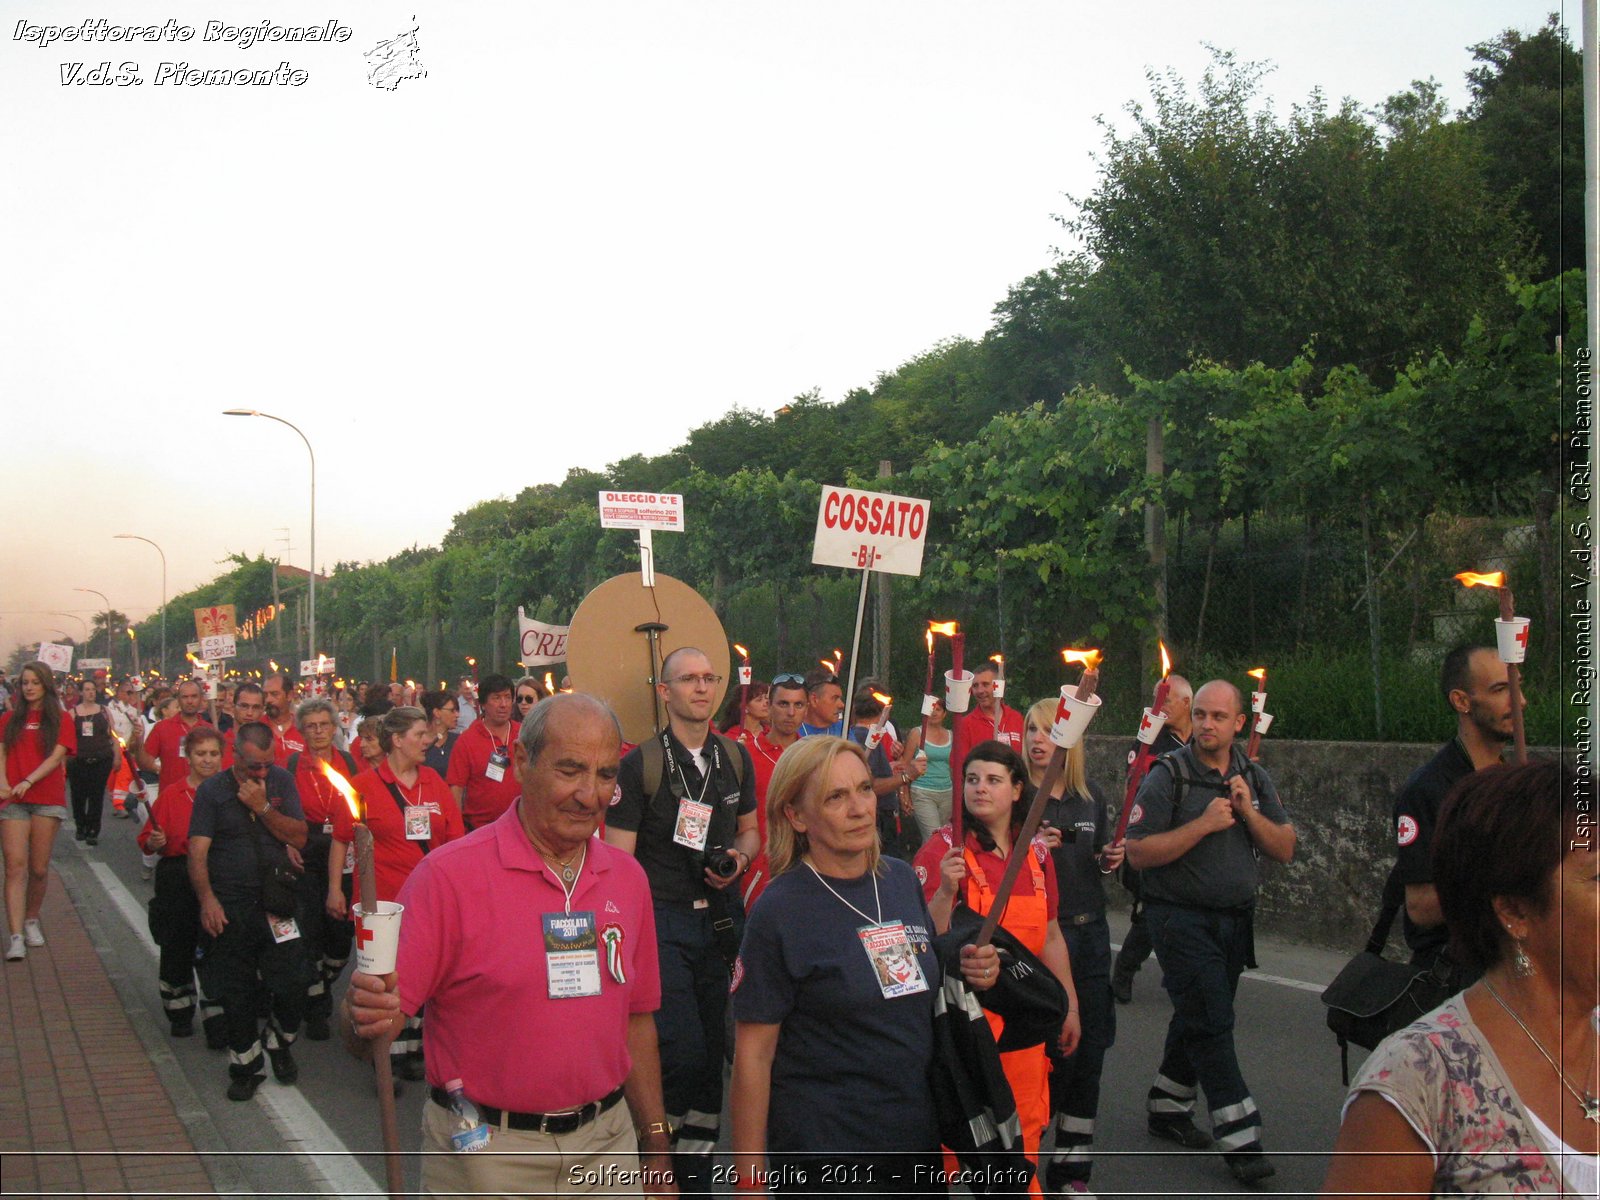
(870, 531)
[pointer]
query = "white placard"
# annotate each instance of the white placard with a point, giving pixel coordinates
(641, 510)
(540, 645)
(56, 656)
(214, 649)
(870, 531)
(321, 665)
(193, 648)
(94, 664)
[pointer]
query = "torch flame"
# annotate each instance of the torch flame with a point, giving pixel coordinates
(999, 658)
(1259, 674)
(838, 658)
(828, 664)
(948, 628)
(550, 683)
(743, 653)
(1089, 658)
(882, 699)
(1166, 659)
(1494, 579)
(342, 786)
(930, 640)
(471, 662)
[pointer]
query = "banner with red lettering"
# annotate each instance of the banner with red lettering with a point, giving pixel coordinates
(541, 644)
(870, 531)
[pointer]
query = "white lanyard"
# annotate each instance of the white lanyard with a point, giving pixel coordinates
(576, 875)
(876, 899)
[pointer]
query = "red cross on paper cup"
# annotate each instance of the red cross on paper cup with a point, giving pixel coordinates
(1512, 638)
(1150, 726)
(378, 938)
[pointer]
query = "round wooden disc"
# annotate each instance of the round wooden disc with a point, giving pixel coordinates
(608, 658)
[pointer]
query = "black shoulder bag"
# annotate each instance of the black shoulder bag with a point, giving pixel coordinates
(1374, 996)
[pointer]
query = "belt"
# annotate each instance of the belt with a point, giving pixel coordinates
(557, 1122)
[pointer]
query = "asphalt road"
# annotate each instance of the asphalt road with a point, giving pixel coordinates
(318, 1136)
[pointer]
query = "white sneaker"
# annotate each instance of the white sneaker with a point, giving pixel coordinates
(31, 933)
(16, 951)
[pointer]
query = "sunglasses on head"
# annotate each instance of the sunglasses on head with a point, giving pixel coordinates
(788, 677)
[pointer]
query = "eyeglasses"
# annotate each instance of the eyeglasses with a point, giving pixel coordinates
(708, 680)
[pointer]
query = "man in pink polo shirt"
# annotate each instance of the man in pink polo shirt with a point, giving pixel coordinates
(533, 945)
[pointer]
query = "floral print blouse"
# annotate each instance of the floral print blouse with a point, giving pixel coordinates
(1443, 1076)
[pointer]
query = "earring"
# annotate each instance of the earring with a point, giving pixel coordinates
(1521, 964)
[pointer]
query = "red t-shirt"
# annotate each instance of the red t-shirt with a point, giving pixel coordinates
(165, 744)
(293, 740)
(393, 855)
(764, 755)
(483, 799)
(926, 865)
(319, 798)
(975, 728)
(23, 758)
(171, 812)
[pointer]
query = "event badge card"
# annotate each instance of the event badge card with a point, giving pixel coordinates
(889, 949)
(694, 824)
(495, 771)
(283, 929)
(88, 729)
(418, 827)
(571, 955)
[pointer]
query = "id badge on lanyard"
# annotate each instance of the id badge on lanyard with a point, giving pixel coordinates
(283, 929)
(693, 825)
(495, 771)
(571, 955)
(418, 827)
(894, 962)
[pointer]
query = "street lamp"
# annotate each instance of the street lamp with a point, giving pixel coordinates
(107, 603)
(311, 576)
(135, 537)
(79, 620)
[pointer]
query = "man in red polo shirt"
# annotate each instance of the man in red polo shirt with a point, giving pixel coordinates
(480, 774)
(787, 710)
(249, 704)
(990, 719)
(279, 693)
(164, 746)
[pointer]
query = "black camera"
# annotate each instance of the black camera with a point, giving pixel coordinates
(724, 864)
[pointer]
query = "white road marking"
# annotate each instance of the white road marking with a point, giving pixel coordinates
(305, 1134)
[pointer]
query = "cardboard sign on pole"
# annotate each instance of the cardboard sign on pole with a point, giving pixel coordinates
(214, 621)
(217, 647)
(56, 656)
(646, 512)
(870, 531)
(320, 665)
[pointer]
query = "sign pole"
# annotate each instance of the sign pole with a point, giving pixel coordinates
(855, 650)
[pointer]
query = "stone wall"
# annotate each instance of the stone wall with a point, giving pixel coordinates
(1339, 796)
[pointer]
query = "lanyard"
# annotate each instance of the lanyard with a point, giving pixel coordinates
(711, 768)
(576, 875)
(876, 899)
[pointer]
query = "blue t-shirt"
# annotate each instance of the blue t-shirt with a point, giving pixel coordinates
(851, 1069)
(878, 763)
(834, 730)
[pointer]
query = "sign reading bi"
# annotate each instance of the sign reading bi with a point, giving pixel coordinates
(870, 531)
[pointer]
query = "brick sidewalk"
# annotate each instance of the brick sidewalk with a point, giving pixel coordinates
(75, 1083)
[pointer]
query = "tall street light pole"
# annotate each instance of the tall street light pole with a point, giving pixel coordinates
(311, 575)
(135, 537)
(107, 603)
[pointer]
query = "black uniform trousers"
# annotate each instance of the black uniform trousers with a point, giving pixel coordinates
(689, 1028)
(1075, 1081)
(175, 926)
(327, 941)
(237, 965)
(88, 779)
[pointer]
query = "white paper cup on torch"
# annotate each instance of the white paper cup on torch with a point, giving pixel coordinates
(928, 702)
(1513, 638)
(999, 688)
(1151, 726)
(1263, 723)
(378, 938)
(1258, 702)
(874, 736)
(1072, 717)
(957, 692)
(745, 676)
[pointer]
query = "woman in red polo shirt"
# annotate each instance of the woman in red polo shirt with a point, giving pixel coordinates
(995, 796)
(410, 810)
(175, 910)
(35, 740)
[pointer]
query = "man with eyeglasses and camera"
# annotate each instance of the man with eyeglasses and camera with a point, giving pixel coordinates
(687, 810)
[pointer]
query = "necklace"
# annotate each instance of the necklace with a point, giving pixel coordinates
(565, 868)
(876, 899)
(1590, 1102)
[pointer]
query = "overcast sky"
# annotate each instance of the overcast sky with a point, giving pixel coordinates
(589, 228)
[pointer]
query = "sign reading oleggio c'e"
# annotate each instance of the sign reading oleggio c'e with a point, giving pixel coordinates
(641, 510)
(870, 531)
